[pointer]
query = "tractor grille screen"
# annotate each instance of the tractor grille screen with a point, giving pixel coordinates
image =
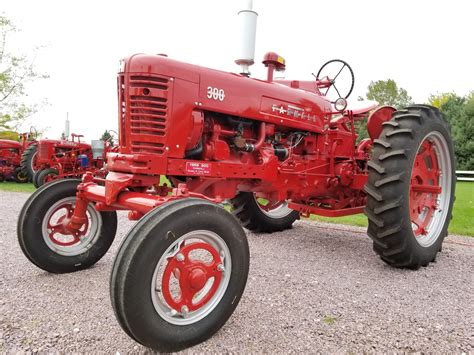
(147, 113)
(43, 151)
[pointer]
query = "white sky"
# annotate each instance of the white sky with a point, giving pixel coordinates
(425, 46)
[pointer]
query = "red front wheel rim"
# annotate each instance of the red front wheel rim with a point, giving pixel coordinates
(191, 277)
(63, 241)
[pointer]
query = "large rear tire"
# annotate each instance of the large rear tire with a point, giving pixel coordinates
(28, 161)
(260, 215)
(47, 245)
(179, 274)
(411, 187)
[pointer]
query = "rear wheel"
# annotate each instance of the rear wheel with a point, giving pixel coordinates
(260, 215)
(19, 176)
(28, 160)
(47, 244)
(411, 187)
(179, 274)
(44, 176)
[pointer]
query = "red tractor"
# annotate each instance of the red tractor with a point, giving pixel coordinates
(10, 153)
(59, 159)
(276, 149)
(10, 157)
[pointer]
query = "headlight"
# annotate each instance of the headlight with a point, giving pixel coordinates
(340, 104)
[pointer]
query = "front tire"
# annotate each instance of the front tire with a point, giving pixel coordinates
(179, 274)
(49, 247)
(260, 215)
(44, 176)
(35, 178)
(411, 186)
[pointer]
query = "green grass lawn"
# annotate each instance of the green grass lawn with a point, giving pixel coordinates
(462, 222)
(15, 187)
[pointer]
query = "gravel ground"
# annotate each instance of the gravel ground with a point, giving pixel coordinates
(315, 288)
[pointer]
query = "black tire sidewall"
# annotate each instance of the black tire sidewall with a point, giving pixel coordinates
(279, 223)
(34, 180)
(147, 245)
(32, 241)
(247, 210)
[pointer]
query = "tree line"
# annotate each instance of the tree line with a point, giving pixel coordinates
(458, 111)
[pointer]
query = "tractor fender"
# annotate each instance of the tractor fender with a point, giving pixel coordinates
(376, 118)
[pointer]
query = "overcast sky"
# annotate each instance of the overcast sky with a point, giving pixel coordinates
(425, 46)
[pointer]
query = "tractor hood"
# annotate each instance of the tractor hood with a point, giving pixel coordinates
(9, 144)
(233, 94)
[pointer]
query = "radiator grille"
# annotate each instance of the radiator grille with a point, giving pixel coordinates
(122, 110)
(43, 151)
(148, 112)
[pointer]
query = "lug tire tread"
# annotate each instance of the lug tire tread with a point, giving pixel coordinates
(25, 162)
(386, 188)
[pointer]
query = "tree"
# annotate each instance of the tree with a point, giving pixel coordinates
(438, 100)
(467, 143)
(10, 135)
(386, 92)
(16, 71)
(107, 137)
(459, 112)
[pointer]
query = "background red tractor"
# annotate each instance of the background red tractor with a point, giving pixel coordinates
(277, 149)
(10, 157)
(59, 159)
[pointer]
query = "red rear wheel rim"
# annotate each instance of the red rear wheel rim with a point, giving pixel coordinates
(430, 193)
(425, 188)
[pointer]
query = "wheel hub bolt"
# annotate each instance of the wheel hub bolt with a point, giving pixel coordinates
(184, 310)
(180, 257)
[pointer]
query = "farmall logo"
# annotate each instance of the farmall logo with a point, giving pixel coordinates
(293, 111)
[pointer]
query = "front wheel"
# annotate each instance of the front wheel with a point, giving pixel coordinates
(261, 215)
(411, 187)
(179, 274)
(42, 177)
(47, 244)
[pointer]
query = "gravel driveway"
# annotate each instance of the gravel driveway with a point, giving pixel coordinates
(315, 288)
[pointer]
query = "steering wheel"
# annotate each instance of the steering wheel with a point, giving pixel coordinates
(33, 134)
(327, 82)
